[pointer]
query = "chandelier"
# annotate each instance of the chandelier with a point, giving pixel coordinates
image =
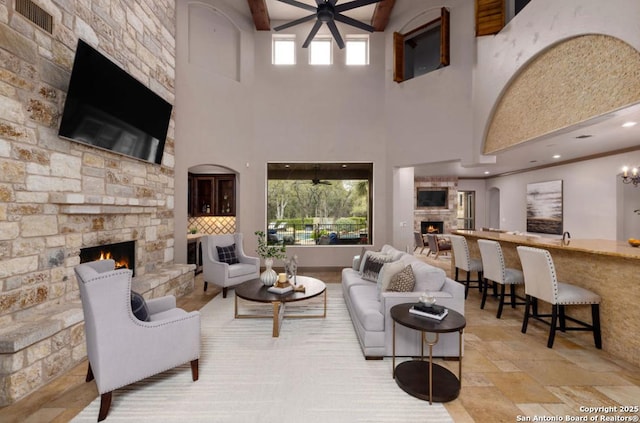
(634, 178)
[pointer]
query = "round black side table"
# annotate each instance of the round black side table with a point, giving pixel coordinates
(424, 379)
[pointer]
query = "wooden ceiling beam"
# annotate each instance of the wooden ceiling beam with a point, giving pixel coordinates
(381, 14)
(260, 14)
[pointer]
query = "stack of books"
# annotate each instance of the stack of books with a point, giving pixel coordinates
(275, 289)
(431, 311)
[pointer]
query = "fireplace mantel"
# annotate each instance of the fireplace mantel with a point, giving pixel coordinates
(77, 204)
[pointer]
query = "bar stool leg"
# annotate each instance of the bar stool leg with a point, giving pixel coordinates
(563, 320)
(554, 323)
(501, 304)
(595, 321)
(484, 293)
(466, 288)
(527, 308)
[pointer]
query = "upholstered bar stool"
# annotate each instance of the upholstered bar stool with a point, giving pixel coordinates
(540, 282)
(465, 262)
(494, 270)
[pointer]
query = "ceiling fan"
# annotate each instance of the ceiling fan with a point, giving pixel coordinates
(317, 181)
(328, 12)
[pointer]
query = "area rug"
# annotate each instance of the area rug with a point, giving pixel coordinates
(313, 372)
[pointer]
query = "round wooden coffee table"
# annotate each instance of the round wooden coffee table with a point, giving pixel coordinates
(420, 378)
(255, 291)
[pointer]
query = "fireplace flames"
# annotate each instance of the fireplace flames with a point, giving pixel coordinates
(123, 263)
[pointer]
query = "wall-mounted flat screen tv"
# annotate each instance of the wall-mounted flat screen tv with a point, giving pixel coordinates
(432, 197)
(110, 109)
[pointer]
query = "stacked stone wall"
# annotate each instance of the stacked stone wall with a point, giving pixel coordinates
(58, 196)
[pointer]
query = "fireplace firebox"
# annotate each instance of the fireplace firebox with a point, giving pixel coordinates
(123, 253)
(432, 227)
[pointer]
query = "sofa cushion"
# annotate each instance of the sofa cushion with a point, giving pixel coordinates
(388, 249)
(373, 262)
(386, 273)
(428, 278)
(367, 307)
(227, 254)
(403, 281)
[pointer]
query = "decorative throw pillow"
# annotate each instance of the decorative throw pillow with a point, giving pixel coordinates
(403, 281)
(372, 265)
(139, 307)
(227, 254)
(387, 272)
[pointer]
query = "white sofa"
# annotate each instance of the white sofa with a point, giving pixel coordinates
(369, 309)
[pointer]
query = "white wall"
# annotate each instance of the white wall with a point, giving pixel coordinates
(590, 201)
(429, 118)
(279, 113)
(403, 216)
(336, 113)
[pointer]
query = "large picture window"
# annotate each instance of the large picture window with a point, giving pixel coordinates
(319, 203)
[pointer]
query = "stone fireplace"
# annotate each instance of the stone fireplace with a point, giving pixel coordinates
(444, 219)
(59, 197)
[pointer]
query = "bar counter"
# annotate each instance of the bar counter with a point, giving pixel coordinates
(609, 268)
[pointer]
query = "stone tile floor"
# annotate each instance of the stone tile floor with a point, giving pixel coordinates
(506, 375)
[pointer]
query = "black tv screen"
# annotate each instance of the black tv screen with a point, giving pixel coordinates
(432, 197)
(110, 109)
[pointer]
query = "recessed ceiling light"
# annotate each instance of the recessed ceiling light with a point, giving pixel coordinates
(629, 124)
(344, 165)
(579, 137)
(556, 156)
(486, 172)
(533, 161)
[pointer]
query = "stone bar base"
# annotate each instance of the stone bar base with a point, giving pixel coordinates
(49, 342)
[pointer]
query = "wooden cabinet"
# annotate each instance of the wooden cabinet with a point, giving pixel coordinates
(212, 195)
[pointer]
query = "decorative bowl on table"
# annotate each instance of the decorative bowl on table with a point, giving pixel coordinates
(427, 299)
(634, 242)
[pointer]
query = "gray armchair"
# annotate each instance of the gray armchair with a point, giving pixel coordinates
(122, 349)
(225, 274)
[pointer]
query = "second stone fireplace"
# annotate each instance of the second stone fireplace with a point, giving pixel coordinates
(432, 227)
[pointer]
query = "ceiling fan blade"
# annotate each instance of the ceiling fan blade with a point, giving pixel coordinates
(312, 34)
(300, 5)
(336, 34)
(353, 4)
(350, 21)
(296, 22)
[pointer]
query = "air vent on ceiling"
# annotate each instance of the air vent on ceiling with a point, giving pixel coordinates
(35, 14)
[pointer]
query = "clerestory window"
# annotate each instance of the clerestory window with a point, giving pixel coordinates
(283, 50)
(320, 51)
(357, 50)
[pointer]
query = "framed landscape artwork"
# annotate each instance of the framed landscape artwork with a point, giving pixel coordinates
(544, 207)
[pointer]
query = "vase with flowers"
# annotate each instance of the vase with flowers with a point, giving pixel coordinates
(269, 253)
